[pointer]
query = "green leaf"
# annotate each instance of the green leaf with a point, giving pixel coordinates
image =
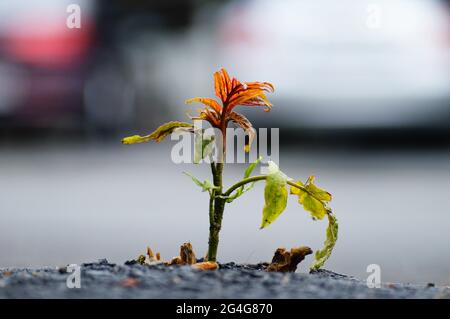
(275, 195)
(249, 170)
(313, 198)
(322, 255)
(159, 134)
(203, 146)
(206, 185)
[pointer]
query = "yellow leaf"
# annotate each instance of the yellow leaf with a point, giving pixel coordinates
(312, 205)
(317, 192)
(313, 198)
(159, 134)
(135, 139)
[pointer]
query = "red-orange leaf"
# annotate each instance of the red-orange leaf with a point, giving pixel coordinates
(206, 101)
(245, 124)
(222, 84)
(232, 93)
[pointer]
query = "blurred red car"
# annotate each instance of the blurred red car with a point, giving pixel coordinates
(42, 63)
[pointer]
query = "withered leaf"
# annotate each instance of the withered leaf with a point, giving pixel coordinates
(332, 234)
(206, 265)
(287, 261)
(159, 134)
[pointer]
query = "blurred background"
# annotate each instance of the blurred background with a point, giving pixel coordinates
(362, 101)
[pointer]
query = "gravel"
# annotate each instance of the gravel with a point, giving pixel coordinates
(105, 280)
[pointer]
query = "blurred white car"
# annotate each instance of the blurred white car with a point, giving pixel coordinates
(334, 64)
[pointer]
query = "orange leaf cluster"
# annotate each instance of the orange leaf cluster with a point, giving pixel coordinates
(231, 93)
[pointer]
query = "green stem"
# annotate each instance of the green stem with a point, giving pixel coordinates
(298, 186)
(216, 208)
(217, 203)
(212, 196)
(255, 179)
(211, 207)
(243, 182)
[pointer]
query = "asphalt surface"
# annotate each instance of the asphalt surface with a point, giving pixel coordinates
(106, 280)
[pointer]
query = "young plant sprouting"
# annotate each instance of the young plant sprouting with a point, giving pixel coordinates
(232, 93)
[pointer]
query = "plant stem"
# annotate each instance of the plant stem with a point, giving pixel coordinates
(217, 203)
(243, 182)
(211, 207)
(216, 208)
(212, 196)
(255, 179)
(298, 186)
